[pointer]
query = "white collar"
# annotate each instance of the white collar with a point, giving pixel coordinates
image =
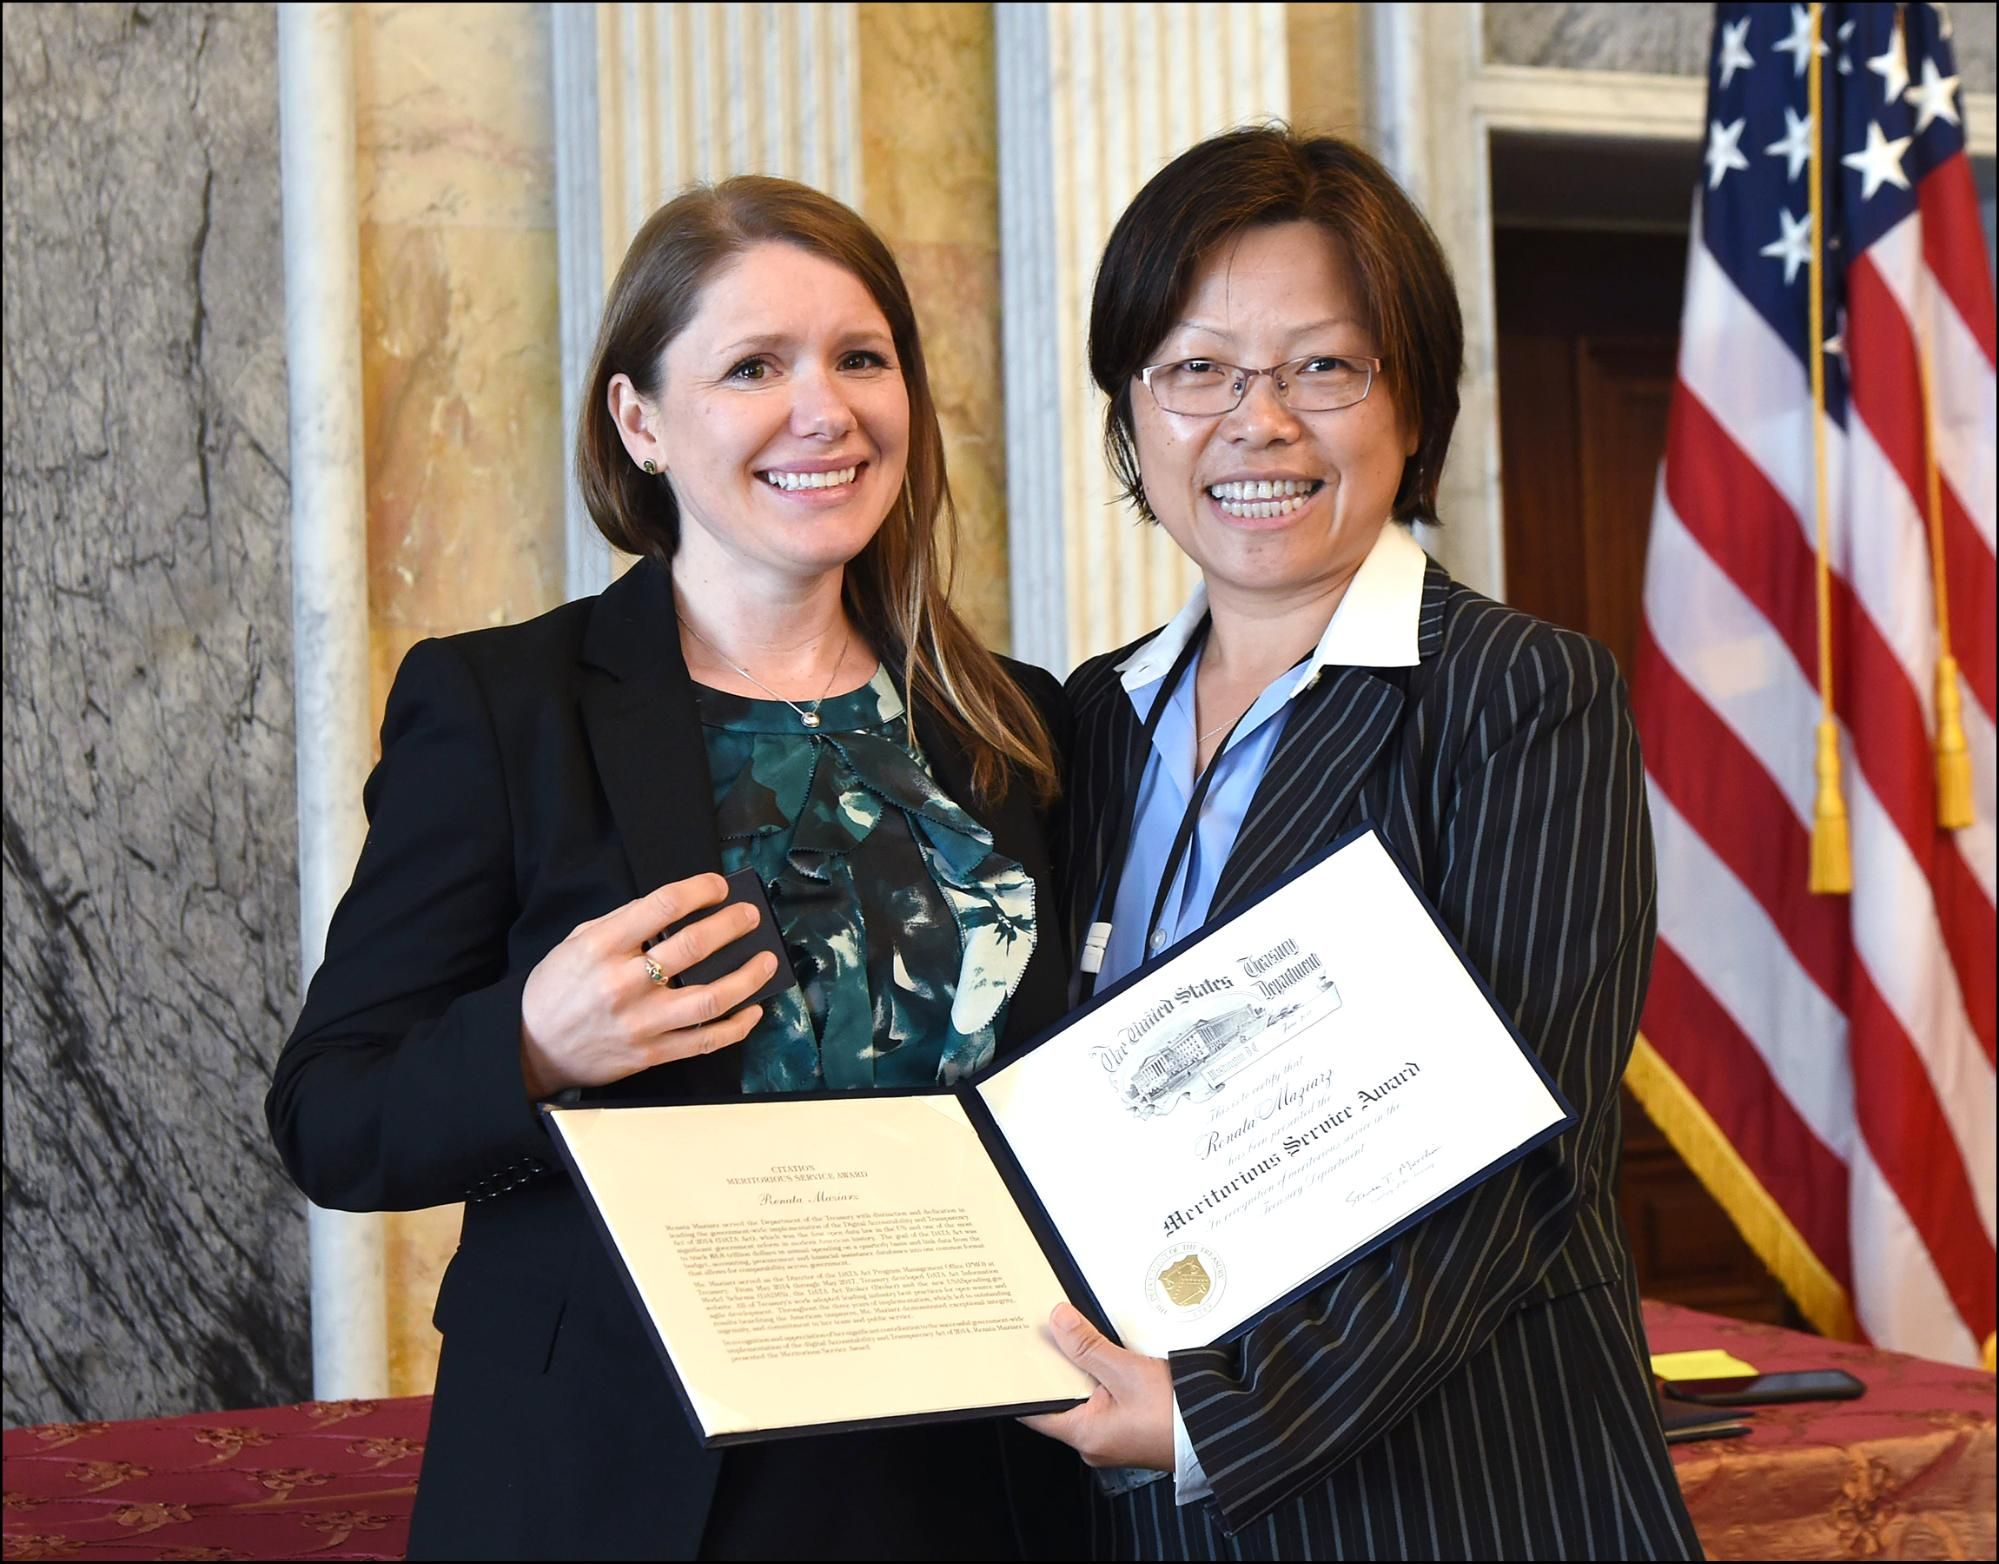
(1374, 626)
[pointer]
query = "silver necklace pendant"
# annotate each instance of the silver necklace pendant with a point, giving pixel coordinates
(810, 720)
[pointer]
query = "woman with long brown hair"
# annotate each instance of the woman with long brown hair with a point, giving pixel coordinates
(778, 684)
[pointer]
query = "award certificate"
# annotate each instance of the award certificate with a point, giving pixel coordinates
(1198, 1146)
(812, 1262)
(1274, 1097)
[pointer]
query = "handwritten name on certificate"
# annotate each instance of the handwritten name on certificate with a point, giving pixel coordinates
(1267, 1102)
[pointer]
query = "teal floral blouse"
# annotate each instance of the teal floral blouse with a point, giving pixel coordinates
(908, 934)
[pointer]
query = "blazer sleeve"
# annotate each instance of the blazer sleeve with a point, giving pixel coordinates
(401, 1085)
(1545, 876)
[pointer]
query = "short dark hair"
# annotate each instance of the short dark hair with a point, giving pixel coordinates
(1252, 178)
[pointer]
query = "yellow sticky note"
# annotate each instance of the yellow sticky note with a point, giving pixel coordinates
(1710, 1364)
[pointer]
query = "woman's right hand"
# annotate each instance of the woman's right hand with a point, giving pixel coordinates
(590, 1014)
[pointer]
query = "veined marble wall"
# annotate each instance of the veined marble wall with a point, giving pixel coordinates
(1670, 39)
(154, 1258)
(1976, 40)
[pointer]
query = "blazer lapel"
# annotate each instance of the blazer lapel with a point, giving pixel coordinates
(1102, 779)
(1326, 752)
(645, 733)
(1323, 756)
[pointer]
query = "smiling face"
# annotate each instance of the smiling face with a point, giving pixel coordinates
(1276, 293)
(782, 421)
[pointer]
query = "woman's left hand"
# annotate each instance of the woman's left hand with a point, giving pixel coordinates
(1128, 1420)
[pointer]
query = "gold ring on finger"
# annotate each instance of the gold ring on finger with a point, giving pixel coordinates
(655, 973)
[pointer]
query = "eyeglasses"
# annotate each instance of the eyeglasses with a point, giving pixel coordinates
(1206, 387)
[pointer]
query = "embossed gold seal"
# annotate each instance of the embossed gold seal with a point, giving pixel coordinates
(1186, 1281)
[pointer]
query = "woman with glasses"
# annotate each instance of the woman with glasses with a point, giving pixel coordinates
(1278, 334)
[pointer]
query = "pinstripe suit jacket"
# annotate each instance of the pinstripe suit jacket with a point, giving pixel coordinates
(1478, 1388)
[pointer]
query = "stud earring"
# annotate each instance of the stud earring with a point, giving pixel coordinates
(649, 467)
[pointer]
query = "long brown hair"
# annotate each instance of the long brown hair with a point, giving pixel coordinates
(896, 588)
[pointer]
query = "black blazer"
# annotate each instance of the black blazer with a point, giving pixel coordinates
(1478, 1388)
(533, 777)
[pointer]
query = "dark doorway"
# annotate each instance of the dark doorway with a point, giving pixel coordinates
(1589, 262)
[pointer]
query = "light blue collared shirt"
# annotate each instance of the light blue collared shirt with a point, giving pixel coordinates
(1374, 627)
(1163, 792)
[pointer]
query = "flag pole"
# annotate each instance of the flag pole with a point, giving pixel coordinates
(1953, 753)
(1832, 854)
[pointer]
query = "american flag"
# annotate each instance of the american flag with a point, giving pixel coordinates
(1825, 1062)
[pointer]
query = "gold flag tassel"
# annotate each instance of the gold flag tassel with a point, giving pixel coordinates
(1953, 754)
(1832, 853)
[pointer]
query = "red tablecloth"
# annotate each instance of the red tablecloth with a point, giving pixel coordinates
(324, 1480)
(1906, 1471)
(1903, 1472)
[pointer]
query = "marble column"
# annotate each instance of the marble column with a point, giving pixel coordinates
(930, 187)
(461, 396)
(1425, 60)
(154, 1260)
(329, 600)
(1329, 67)
(1093, 100)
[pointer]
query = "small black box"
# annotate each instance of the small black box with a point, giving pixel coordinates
(745, 888)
